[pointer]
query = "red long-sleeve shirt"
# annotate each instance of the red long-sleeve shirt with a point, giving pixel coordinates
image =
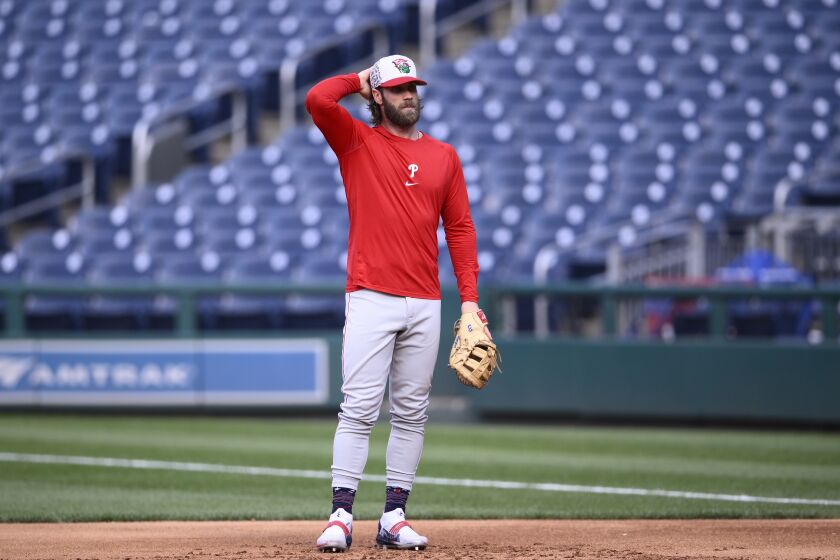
(397, 191)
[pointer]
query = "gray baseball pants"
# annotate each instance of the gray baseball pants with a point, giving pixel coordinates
(389, 340)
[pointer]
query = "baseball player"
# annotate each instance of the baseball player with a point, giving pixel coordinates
(399, 182)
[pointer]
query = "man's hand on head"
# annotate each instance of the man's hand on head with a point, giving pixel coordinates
(364, 77)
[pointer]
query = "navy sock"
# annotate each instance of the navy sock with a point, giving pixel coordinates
(343, 498)
(395, 497)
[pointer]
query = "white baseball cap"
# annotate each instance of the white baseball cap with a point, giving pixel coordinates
(390, 71)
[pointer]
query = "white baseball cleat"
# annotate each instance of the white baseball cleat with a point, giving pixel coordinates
(338, 534)
(395, 532)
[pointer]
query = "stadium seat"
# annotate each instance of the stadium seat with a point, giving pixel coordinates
(256, 311)
(59, 312)
(317, 311)
(126, 313)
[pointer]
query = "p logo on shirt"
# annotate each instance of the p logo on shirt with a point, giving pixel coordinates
(413, 168)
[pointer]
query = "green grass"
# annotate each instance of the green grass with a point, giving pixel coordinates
(780, 464)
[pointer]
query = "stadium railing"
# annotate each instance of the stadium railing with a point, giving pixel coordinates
(607, 299)
(495, 299)
(144, 134)
(84, 190)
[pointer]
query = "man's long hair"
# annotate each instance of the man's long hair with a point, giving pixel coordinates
(375, 110)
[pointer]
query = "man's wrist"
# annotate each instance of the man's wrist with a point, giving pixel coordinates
(469, 307)
(364, 83)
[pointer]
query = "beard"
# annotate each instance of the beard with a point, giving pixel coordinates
(404, 116)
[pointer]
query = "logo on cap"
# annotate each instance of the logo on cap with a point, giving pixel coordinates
(402, 65)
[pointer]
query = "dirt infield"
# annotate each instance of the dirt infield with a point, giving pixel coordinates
(519, 539)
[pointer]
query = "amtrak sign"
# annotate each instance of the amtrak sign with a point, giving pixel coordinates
(21, 372)
(164, 372)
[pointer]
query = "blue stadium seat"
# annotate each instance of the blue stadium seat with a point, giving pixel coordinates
(11, 270)
(231, 243)
(205, 269)
(125, 313)
(61, 312)
(45, 244)
(210, 219)
(256, 311)
(170, 243)
(313, 311)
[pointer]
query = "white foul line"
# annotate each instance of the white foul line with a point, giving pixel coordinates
(435, 481)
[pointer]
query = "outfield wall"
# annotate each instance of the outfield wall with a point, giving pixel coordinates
(690, 381)
(724, 381)
(712, 379)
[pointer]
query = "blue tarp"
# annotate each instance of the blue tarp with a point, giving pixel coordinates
(764, 317)
(760, 267)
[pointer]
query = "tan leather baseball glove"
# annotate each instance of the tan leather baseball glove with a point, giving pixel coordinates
(474, 355)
